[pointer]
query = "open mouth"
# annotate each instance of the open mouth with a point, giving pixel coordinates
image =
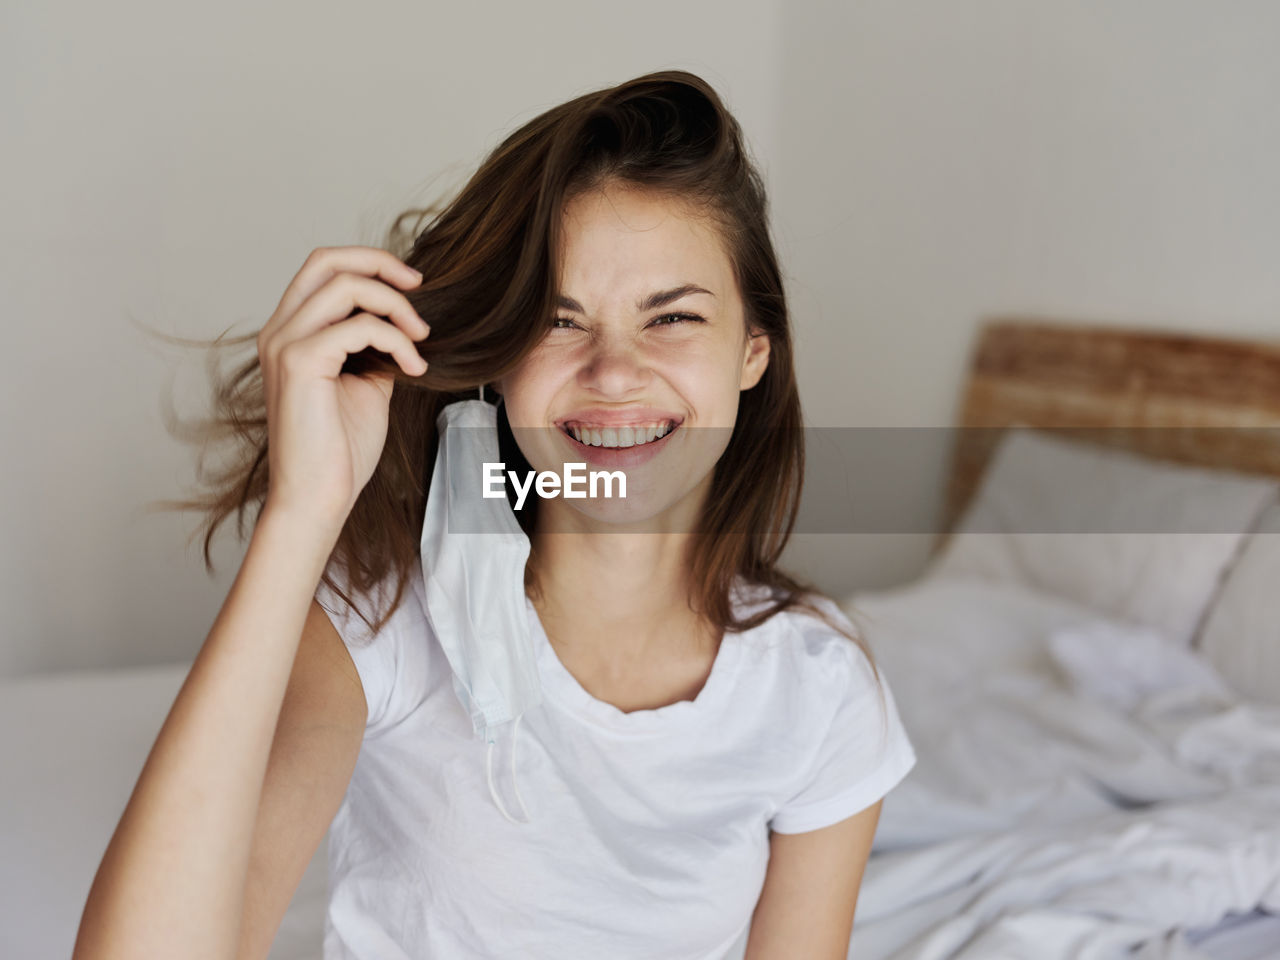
(618, 437)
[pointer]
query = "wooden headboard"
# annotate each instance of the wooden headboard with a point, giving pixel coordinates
(1108, 386)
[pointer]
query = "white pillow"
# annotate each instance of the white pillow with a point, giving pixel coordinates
(1241, 635)
(1094, 497)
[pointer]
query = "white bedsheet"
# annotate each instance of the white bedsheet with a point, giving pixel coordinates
(1084, 789)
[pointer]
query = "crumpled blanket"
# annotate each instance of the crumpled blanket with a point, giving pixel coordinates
(1086, 789)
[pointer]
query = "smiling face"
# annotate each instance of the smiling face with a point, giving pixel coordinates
(630, 380)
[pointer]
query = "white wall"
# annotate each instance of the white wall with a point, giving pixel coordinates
(172, 165)
(941, 162)
(930, 163)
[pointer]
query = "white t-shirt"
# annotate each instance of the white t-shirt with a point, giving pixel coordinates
(649, 830)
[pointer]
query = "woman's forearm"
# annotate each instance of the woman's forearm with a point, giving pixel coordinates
(172, 879)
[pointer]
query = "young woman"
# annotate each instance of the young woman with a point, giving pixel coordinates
(707, 763)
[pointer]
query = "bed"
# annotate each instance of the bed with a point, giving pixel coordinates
(72, 745)
(1099, 768)
(1089, 666)
(69, 774)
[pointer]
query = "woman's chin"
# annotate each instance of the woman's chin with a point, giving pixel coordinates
(633, 514)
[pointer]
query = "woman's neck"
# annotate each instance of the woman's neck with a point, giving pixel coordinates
(621, 598)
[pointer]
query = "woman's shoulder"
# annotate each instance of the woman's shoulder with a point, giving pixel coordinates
(817, 638)
(373, 603)
(395, 661)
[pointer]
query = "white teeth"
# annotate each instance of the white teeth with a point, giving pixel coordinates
(618, 437)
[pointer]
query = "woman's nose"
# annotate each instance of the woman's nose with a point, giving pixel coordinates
(614, 365)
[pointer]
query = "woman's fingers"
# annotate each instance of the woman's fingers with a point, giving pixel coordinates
(364, 330)
(336, 299)
(323, 264)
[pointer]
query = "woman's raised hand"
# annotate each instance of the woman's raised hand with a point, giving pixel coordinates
(325, 428)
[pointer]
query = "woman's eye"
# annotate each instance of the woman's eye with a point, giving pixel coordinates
(671, 319)
(666, 320)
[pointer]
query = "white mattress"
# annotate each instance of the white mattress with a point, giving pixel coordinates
(71, 748)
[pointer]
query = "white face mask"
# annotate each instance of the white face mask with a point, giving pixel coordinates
(473, 554)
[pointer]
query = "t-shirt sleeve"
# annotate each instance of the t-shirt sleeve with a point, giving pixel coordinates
(863, 753)
(376, 656)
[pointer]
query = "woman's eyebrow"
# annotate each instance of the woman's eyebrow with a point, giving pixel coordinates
(651, 302)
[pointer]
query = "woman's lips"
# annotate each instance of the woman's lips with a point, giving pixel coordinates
(618, 457)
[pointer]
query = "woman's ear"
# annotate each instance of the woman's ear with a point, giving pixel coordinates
(755, 359)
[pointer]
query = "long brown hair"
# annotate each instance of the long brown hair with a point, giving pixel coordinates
(489, 294)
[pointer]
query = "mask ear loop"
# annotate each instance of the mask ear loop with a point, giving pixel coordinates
(488, 771)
